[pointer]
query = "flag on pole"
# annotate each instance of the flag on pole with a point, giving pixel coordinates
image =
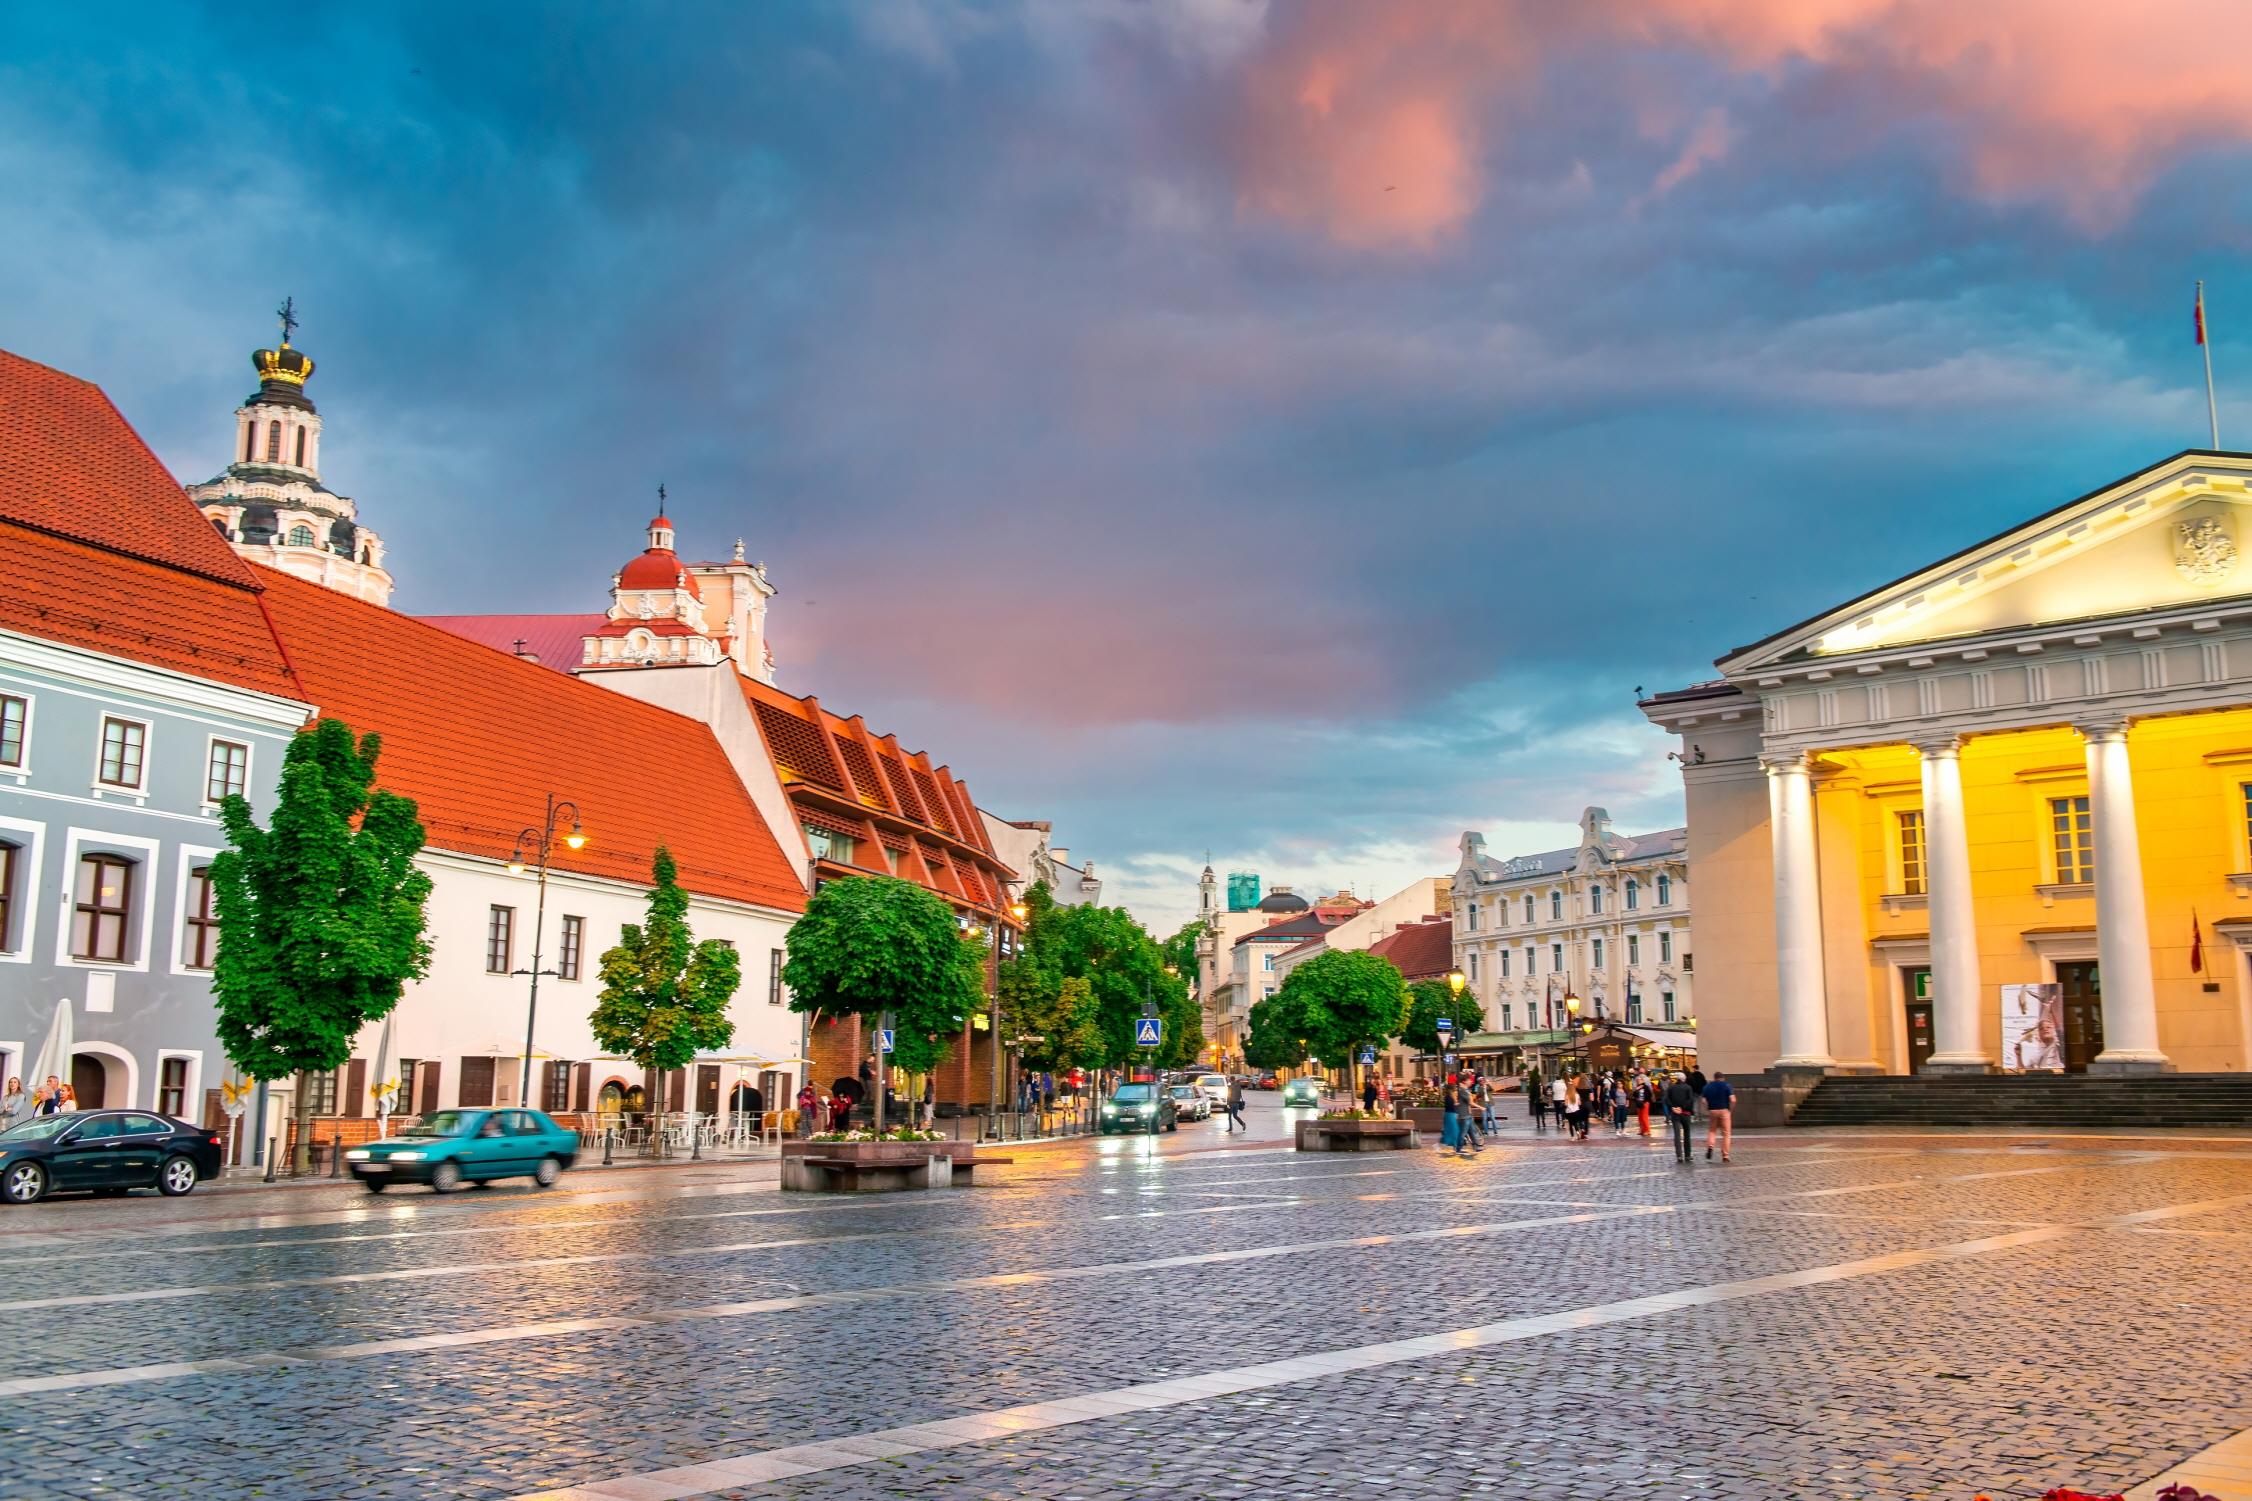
(2196, 944)
(2197, 315)
(2212, 407)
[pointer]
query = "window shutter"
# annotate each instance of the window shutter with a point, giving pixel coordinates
(355, 1101)
(428, 1074)
(582, 1094)
(676, 1090)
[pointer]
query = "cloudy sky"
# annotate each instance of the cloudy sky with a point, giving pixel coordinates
(1289, 430)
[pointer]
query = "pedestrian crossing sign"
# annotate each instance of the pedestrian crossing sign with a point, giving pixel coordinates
(1149, 1031)
(884, 1039)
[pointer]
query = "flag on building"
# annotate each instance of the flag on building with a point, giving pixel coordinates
(2197, 316)
(2196, 944)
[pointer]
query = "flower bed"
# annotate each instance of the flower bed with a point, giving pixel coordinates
(897, 1133)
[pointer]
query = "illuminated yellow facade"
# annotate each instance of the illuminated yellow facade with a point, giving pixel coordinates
(2029, 764)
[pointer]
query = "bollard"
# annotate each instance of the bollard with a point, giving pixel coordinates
(695, 1146)
(272, 1144)
(336, 1155)
(609, 1140)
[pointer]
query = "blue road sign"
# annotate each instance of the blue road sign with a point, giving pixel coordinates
(884, 1039)
(1368, 1056)
(1149, 1031)
(1443, 1025)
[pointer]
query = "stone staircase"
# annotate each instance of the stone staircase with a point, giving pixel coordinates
(2028, 1100)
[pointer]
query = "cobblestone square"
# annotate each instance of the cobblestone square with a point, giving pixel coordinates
(1847, 1314)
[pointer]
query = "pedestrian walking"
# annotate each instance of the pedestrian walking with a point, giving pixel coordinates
(1369, 1094)
(1568, 1113)
(1486, 1105)
(1681, 1106)
(1559, 1095)
(809, 1105)
(1536, 1100)
(1235, 1107)
(1697, 1083)
(1618, 1108)
(1720, 1114)
(1450, 1117)
(1473, 1140)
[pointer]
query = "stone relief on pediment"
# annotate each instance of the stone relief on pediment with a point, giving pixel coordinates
(2205, 552)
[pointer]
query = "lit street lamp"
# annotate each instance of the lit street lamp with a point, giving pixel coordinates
(541, 842)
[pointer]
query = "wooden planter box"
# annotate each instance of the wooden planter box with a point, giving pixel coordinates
(1426, 1118)
(1357, 1136)
(865, 1166)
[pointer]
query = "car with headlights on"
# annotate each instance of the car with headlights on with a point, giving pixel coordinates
(1139, 1107)
(448, 1148)
(104, 1152)
(1213, 1087)
(1302, 1091)
(1190, 1103)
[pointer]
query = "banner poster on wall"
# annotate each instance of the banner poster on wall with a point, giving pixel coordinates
(2033, 1029)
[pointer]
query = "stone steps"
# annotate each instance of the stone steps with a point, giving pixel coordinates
(2029, 1100)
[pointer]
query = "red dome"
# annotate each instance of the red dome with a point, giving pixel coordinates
(658, 568)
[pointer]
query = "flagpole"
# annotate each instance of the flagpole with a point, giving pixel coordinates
(2205, 346)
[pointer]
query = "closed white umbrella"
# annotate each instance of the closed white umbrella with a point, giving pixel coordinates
(385, 1098)
(54, 1053)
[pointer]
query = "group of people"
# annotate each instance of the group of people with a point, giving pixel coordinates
(1578, 1101)
(823, 1112)
(1466, 1113)
(51, 1098)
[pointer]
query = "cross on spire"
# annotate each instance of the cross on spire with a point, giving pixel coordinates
(287, 312)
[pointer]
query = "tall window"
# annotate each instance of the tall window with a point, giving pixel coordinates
(1470, 916)
(124, 744)
(1473, 976)
(15, 713)
(320, 1091)
(555, 1095)
(8, 854)
(574, 943)
(1267, 962)
(1528, 906)
(1556, 958)
(1912, 851)
(1665, 948)
(1555, 904)
(500, 941)
(1508, 1021)
(1532, 956)
(1503, 959)
(199, 934)
(301, 535)
(172, 1087)
(1594, 898)
(301, 447)
(249, 441)
(1665, 1001)
(229, 771)
(2072, 835)
(1598, 953)
(1633, 949)
(1665, 891)
(774, 978)
(273, 443)
(1633, 893)
(105, 909)
(1633, 1006)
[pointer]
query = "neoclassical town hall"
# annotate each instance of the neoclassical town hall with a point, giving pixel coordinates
(2027, 764)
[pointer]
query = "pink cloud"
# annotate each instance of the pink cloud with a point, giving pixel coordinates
(1369, 122)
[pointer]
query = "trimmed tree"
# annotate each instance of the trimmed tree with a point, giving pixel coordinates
(1348, 999)
(1280, 1031)
(320, 915)
(871, 944)
(1428, 1000)
(664, 995)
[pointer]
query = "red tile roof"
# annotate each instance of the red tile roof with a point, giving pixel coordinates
(80, 595)
(478, 738)
(559, 641)
(846, 780)
(1422, 951)
(71, 466)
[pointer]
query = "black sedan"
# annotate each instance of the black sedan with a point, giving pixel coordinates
(104, 1151)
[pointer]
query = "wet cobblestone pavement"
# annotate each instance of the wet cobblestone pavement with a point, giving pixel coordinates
(1842, 1314)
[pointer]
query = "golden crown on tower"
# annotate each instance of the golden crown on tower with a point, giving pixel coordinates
(285, 364)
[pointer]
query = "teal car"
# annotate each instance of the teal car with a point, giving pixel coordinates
(1306, 1091)
(448, 1148)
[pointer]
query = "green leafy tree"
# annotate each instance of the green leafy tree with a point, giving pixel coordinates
(664, 995)
(1280, 1030)
(320, 914)
(1346, 999)
(1124, 969)
(1428, 1000)
(1180, 949)
(1082, 1044)
(871, 944)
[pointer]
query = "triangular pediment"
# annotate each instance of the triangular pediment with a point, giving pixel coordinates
(2169, 536)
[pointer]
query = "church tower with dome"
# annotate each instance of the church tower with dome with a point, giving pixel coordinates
(665, 612)
(269, 501)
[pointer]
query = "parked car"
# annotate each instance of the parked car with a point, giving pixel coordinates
(1264, 1081)
(1214, 1087)
(1190, 1103)
(104, 1152)
(1305, 1091)
(1139, 1107)
(447, 1148)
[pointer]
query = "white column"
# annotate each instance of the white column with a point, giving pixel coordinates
(2130, 1002)
(1956, 1000)
(1798, 915)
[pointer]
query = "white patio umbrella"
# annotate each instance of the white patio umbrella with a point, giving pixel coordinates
(54, 1053)
(384, 1098)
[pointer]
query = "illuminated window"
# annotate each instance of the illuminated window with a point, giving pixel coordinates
(105, 909)
(2072, 836)
(1912, 851)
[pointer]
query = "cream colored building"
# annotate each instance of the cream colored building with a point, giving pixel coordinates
(1604, 922)
(2029, 763)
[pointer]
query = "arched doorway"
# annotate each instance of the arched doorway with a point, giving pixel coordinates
(89, 1081)
(101, 1076)
(744, 1099)
(612, 1099)
(637, 1100)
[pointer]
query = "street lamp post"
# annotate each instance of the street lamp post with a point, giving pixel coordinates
(1456, 980)
(542, 842)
